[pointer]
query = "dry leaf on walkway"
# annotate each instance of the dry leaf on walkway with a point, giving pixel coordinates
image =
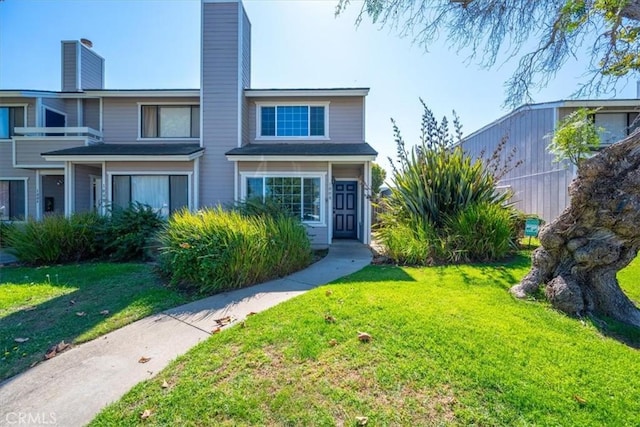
(144, 359)
(165, 384)
(104, 312)
(49, 354)
(80, 313)
(146, 414)
(251, 313)
(21, 340)
(216, 330)
(362, 421)
(224, 321)
(364, 337)
(62, 346)
(329, 318)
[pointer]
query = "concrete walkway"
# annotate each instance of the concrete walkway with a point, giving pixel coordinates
(70, 389)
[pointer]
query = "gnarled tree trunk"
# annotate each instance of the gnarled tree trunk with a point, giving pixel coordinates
(597, 235)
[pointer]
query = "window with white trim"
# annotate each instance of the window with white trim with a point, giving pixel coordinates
(292, 121)
(164, 193)
(615, 126)
(13, 200)
(10, 118)
(299, 195)
(170, 121)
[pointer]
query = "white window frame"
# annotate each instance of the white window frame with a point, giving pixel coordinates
(168, 104)
(25, 107)
(323, 188)
(189, 175)
(26, 194)
(259, 106)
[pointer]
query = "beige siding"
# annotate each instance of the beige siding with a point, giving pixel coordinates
(91, 113)
(8, 171)
(150, 167)
(91, 69)
(221, 90)
(121, 118)
(347, 171)
(69, 67)
(345, 117)
(29, 150)
(540, 186)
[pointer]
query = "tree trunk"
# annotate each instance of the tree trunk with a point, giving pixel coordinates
(597, 235)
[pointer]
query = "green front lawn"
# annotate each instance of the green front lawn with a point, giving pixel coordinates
(74, 303)
(449, 346)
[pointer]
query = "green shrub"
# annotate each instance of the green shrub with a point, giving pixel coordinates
(217, 250)
(258, 207)
(129, 234)
(5, 227)
(56, 239)
(444, 206)
(482, 232)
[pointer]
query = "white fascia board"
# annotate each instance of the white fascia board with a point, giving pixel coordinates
(595, 103)
(123, 158)
(333, 159)
(144, 93)
(284, 93)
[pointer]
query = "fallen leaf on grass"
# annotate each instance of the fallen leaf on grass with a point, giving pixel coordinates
(80, 313)
(328, 293)
(362, 421)
(216, 330)
(21, 340)
(165, 384)
(34, 363)
(144, 359)
(72, 302)
(243, 324)
(333, 342)
(580, 400)
(329, 318)
(251, 313)
(104, 312)
(146, 414)
(364, 337)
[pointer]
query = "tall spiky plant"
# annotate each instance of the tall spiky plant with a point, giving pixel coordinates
(436, 179)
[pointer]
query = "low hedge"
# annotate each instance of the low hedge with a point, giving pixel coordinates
(217, 250)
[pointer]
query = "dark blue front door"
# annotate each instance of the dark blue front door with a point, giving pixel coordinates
(345, 209)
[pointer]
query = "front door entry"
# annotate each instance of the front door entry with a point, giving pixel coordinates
(345, 209)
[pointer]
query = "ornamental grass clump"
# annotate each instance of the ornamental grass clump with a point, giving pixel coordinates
(216, 250)
(56, 239)
(444, 206)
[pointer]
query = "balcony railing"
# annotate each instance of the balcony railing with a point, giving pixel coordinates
(91, 134)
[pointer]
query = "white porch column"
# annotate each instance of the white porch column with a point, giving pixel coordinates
(330, 201)
(196, 184)
(367, 204)
(38, 195)
(103, 186)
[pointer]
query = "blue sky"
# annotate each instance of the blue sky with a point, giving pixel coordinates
(295, 43)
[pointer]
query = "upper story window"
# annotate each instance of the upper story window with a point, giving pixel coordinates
(302, 121)
(616, 126)
(10, 118)
(170, 121)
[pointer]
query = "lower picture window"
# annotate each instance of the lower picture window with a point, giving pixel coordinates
(12, 200)
(299, 195)
(164, 193)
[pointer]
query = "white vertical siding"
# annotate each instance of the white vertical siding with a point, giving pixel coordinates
(540, 186)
